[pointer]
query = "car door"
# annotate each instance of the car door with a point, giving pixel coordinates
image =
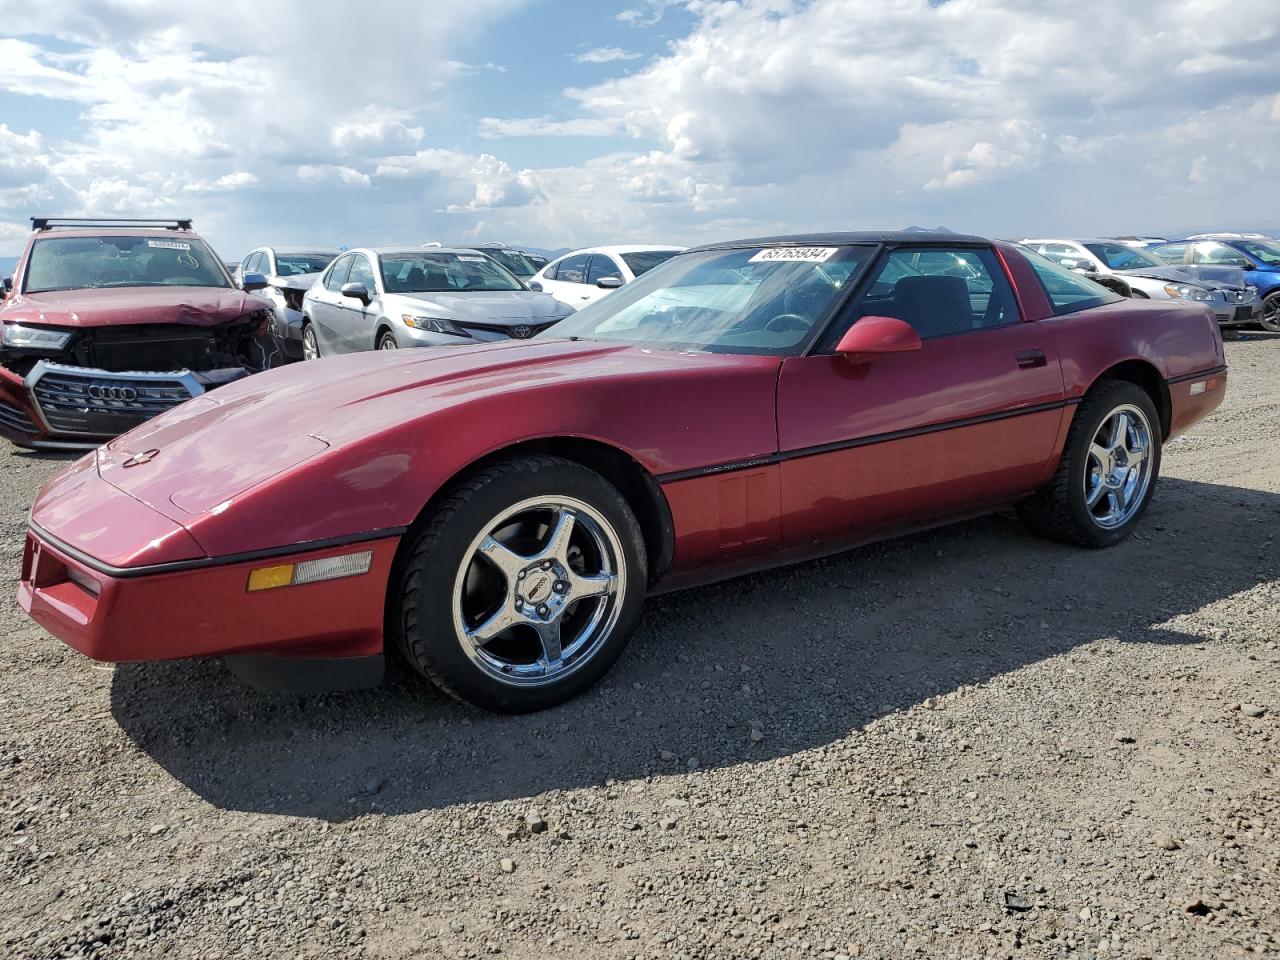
(967, 422)
(600, 266)
(569, 284)
(325, 314)
(357, 321)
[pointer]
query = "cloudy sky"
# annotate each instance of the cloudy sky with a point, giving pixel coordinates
(567, 122)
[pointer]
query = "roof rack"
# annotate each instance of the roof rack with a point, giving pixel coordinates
(497, 243)
(71, 223)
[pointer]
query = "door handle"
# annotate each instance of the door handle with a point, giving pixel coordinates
(1027, 359)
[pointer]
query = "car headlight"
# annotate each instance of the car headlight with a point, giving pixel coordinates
(434, 325)
(1185, 291)
(34, 338)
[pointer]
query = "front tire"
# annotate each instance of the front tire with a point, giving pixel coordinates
(388, 341)
(1108, 472)
(310, 346)
(522, 587)
(1270, 319)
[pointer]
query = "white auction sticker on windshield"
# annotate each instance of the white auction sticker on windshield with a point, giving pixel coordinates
(168, 245)
(803, 254)
(473, 259)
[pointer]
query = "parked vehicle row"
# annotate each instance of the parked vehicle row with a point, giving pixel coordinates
(1224, 290)
(500, 513)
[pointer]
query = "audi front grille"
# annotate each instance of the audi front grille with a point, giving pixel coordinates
(94, 403)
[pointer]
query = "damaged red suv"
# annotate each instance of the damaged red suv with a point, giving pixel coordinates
(107, 323)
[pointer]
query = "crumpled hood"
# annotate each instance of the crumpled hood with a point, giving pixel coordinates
(1172, 275)
(119, 306)
(503, 307)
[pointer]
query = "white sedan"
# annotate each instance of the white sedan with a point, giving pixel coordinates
(584, 276)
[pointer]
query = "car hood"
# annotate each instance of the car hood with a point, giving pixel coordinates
(1171, 275)
(118, 306)
(503, 307)
(203, 453)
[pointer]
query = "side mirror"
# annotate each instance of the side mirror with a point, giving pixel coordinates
(253, 281)
(609, 283)
(357, 290)
(8, 285)
(871, 335)
(535, 286)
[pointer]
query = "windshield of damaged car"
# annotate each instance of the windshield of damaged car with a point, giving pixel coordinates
(445, 273)
(1117, 256)
(296, 264)
(80, 263)
(768, 300)
(1267, 252)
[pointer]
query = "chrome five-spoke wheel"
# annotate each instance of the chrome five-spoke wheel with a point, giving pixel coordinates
(1119, 467)
(539, 591)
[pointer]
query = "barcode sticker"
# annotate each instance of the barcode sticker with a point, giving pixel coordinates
(802, 254)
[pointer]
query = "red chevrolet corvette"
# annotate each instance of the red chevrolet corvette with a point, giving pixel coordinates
(499, 512)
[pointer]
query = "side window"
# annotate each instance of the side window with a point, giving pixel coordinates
(1068, 291)
(602, 266)
(573, 269)
(264, 263)
(249, 264)
(1220, 254)
(941, 291)
(337, 274)
(1170, 252)
(1067, 255)
(361, 272)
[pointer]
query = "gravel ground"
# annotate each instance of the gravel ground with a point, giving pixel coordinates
(968, 744)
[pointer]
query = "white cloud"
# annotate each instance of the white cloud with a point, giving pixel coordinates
(605, 55)
(996, 116)
(492, 128)
(320, 172)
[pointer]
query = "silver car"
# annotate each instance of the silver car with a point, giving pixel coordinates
(289, 273)
(384, 299)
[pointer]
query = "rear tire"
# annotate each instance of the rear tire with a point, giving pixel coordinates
(522, 586)
(1108, 472)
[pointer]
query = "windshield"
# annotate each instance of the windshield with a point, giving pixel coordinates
(514, 261)
(646, 260)
(79, 263)
(1265, 250)
(445, 273)
(755, 300)
(1117, 256)
(296, 264)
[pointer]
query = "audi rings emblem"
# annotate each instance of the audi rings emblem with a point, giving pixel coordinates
(113, 392)
(522, 332)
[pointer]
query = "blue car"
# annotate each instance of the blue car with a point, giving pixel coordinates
(1257, 255)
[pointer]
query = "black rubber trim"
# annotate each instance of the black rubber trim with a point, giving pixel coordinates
(773, 458)
(178, 566)
(1197, 375)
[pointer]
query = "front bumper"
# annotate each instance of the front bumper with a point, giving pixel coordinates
(202, 608)
(62, 406)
